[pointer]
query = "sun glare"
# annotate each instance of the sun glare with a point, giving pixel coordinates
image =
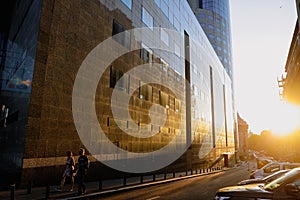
(286, 119)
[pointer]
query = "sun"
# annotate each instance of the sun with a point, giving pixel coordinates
(285, 119)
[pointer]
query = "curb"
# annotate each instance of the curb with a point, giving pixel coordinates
(138, 186)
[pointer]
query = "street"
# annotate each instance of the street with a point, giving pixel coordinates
(202, 187)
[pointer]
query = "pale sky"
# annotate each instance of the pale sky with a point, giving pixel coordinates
(262, 31)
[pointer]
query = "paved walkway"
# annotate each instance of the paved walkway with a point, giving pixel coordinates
(101, 187)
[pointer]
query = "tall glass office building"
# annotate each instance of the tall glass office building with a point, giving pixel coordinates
(214, 17)
(136, 83)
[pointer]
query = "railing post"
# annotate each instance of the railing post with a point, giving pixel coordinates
(12, 191)
(124, 181)
(142, 179)
(47, 191)
(153, 177)
(165, 176)
(173, 174)
(29, 186)
(100, 184)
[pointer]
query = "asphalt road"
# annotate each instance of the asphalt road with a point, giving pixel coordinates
(202, 187)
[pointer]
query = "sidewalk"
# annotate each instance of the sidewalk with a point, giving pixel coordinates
(104, 187)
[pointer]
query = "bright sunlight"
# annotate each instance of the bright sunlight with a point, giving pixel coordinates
(286, 119)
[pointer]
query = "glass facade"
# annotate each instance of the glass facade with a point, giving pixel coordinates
(214, 17)
(17, 67)
(193, 93)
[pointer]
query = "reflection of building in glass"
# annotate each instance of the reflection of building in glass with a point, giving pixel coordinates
(64, 33)
(19, 33)
(214, 17)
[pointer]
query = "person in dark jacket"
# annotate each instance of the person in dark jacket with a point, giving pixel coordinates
(82, 167)
(68, 172)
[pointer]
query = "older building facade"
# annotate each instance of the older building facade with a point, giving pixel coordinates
(243, 137)
(47, 45)
(289, 82)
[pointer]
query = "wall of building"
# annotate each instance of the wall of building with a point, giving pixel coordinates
(290, 83)
(243, 137)
(68, 32)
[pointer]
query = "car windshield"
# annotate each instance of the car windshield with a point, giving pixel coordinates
(277, 182)
(274, 175)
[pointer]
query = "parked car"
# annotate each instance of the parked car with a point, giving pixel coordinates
(262, 161)
(285, 187)
(264, 180)
(273, 167)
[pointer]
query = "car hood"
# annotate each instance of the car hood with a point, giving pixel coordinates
(240, 188)
(252, 189)
(249, 181)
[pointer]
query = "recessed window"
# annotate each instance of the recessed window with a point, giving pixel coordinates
(177, 105)
(128, 3)
(165, 8)
(146, 54)
(177, 49)
(164, 99)
(124, 38)
(145, 92)
(164, 36)
(115, 76)
(200, 4)
(176, 23)
(147, 18)
(164, 65)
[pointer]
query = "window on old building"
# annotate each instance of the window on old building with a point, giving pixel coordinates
(124, 38)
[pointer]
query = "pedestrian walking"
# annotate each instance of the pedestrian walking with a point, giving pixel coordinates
(81, 171)
(68, 172)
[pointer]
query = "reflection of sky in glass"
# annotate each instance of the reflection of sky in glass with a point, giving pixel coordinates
(128, 3)
(21, 51)
(220, 7)
(18, 70)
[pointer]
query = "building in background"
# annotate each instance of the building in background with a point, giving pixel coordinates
(243, 128)
(214, 18)
(46, 43)
(289, 83)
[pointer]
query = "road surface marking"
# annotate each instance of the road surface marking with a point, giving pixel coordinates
(153, 198)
